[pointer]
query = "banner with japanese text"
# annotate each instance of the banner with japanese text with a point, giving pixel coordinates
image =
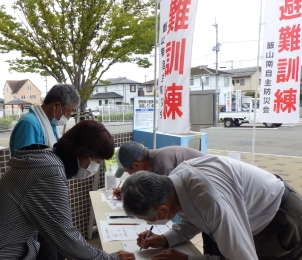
(280, 74)
(177, 19)
(228, 107)
(238, 100)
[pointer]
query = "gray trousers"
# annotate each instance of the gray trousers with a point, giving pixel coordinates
(282, 238)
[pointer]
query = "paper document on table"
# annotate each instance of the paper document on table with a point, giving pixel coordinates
(129, 231)
(147, 254)
(114, 203)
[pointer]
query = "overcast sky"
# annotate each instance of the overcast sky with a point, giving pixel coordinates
(238, 28)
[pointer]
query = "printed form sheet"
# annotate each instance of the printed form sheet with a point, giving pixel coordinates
(129, 231)
(113, 202)
(147, 254)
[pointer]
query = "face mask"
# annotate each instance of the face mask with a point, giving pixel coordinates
(86, 173)
(63, 120)
(158, 222)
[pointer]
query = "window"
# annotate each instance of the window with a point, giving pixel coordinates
(96, 90)
(14, 97)
(242, 82)
(237, 81)
(191, 81)
(207, 82)
(149, 88)
(22, 96)
(100, 102)
(6, 89)
(132, 88)
(105, 89)
(259, 81)
(32, 97)
(106, 101)
(226, 82)
(29, 87)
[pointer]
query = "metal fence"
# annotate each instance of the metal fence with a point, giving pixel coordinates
(120, 113)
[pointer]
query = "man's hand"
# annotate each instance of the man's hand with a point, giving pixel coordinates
(170, 254)
(154, 241)
(123, 255)
(117, 193)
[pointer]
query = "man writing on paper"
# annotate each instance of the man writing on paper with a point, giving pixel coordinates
(132, 157)
(249, 212)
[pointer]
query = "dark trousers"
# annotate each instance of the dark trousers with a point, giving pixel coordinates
(209, 246)
(47, 251)
(281, 239)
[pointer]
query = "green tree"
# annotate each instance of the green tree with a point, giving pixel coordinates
(77, 40)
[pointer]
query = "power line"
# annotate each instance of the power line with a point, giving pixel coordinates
(221, 44)
(241, 41)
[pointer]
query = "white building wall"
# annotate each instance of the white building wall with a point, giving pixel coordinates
(121, 89)
(212, 85)
(92, 103)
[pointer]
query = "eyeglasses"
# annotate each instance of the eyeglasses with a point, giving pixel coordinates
(68, 112)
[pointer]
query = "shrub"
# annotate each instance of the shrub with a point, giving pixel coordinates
(12, 117)
(6, 123)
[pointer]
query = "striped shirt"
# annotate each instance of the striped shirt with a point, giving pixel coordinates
(34, 198)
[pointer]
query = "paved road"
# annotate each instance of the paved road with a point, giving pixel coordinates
(113, 128)
(285, 140)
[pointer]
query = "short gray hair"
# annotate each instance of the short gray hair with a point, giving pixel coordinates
(143, 191)
(66, 94)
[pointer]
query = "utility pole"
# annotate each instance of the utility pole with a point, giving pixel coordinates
(231, 62)
(216, 48)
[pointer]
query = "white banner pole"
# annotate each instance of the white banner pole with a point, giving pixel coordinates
(155, 81)
(256, 88)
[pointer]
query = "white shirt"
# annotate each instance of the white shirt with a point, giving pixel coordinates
(230, 200)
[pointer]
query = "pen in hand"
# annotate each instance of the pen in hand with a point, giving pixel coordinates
(117, 188)
(148, 234)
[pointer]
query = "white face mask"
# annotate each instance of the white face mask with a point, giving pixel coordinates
(158, 222)
(86, 173)
(63, 120)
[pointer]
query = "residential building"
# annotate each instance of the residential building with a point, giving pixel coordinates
(245, 79)
(24, 90)
(205, 79)
(114, 91)
(148, 88)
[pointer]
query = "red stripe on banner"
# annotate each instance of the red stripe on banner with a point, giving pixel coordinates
(182, 56)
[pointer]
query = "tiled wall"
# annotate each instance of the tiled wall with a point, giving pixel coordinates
(78, 189)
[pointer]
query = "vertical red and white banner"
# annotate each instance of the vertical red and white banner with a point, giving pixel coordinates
(228, 107)
(177, 20)
(281, 64)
